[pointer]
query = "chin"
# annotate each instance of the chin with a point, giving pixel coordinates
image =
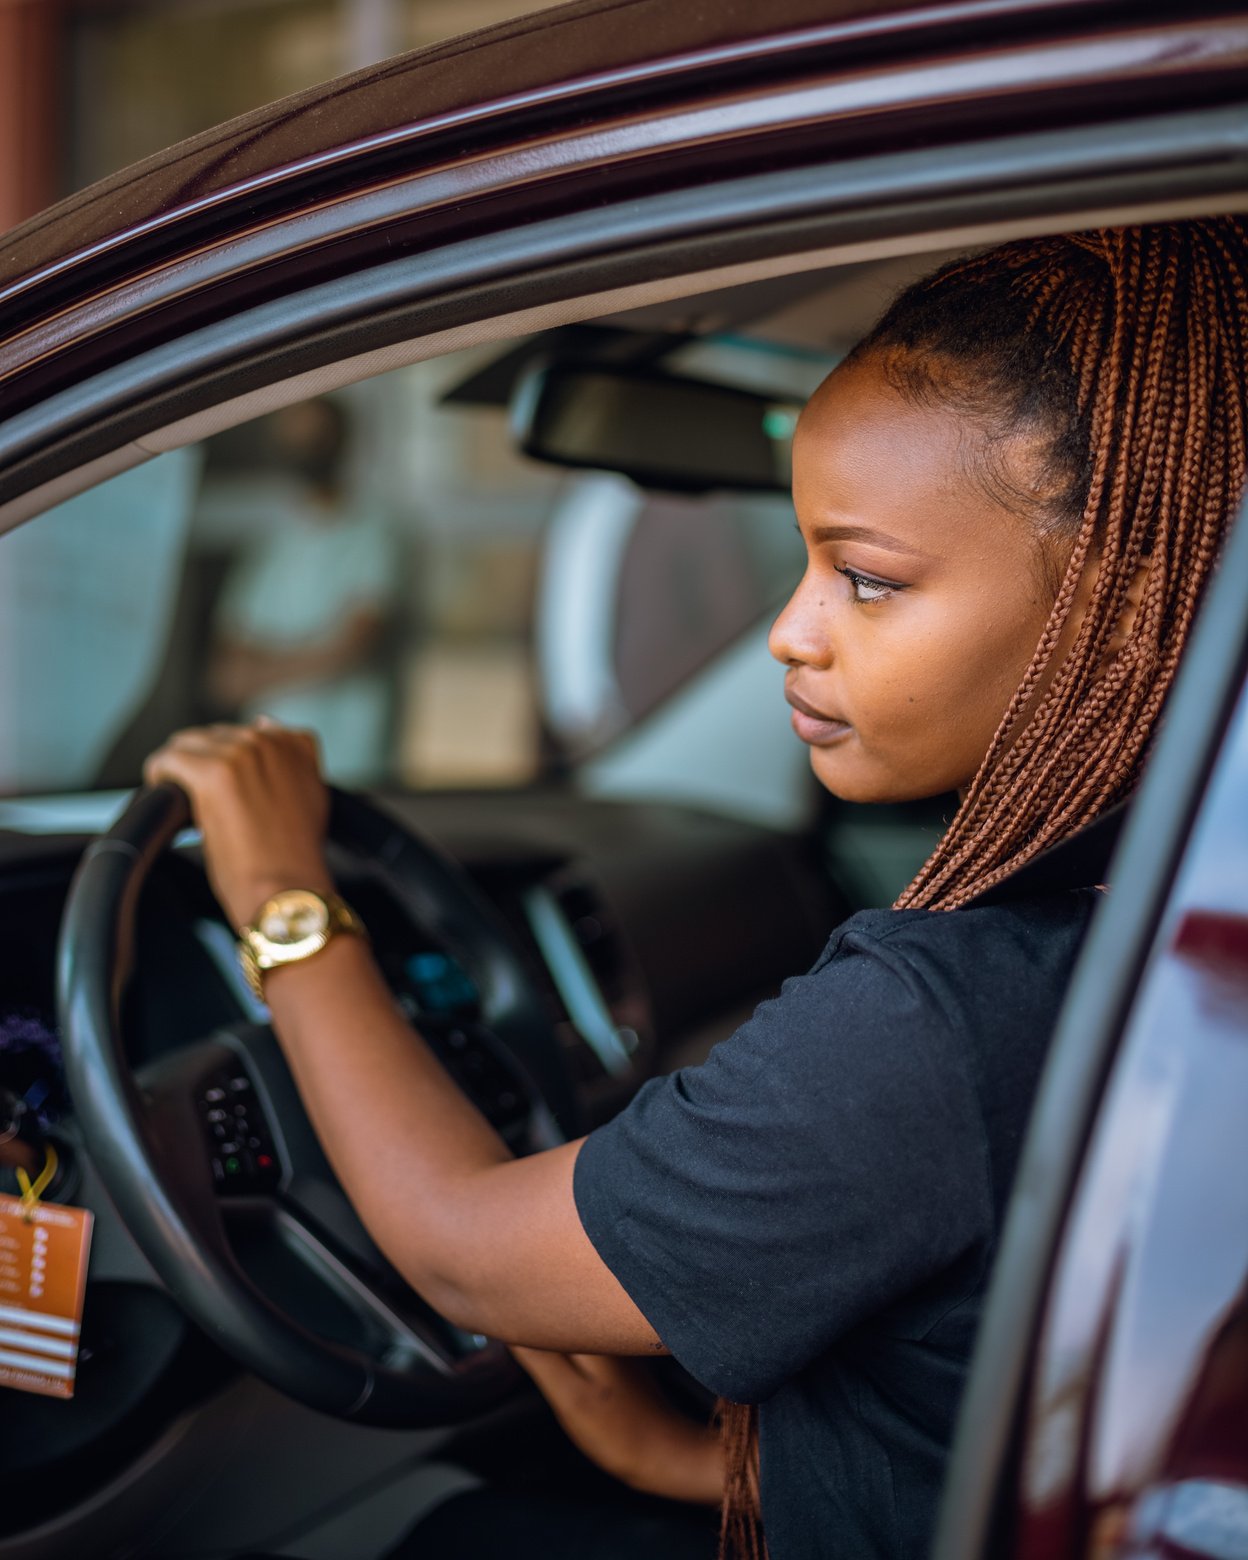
(851, 779)
(851, 782)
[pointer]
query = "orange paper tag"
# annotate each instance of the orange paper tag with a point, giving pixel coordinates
(43, 1275)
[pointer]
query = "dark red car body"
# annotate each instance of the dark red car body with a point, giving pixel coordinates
(587, 148)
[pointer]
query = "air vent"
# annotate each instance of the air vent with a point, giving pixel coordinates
(572, 930)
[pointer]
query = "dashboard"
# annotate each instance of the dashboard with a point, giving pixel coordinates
(650, 932)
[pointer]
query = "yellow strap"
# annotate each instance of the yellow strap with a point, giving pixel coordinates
(32, 1191)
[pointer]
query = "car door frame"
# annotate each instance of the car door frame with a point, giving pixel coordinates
(226, 304)
(984, 1514)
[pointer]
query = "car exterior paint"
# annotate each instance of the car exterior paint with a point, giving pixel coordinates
(1137, 1431)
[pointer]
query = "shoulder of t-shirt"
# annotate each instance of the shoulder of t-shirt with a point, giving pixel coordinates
(1035, 916)
(1011, 957)
(959, 932)
(970, 924)
(902, 928)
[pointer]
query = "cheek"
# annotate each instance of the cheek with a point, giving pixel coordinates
(928, 700)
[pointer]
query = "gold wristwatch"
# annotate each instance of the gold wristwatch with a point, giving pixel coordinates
(291, 926)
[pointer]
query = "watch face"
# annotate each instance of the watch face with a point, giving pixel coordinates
(293, 916)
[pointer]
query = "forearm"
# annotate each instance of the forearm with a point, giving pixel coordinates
(684, 1462)
(614, 1411)
(403, 1139)
(493, 1242)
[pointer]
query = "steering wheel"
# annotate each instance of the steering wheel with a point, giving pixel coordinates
(277, 1268)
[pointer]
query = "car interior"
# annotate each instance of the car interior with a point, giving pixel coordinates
(540, 570)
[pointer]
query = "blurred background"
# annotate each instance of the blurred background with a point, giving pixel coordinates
(89, 86)
(380, 565)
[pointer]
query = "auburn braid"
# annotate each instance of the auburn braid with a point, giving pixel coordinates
(1124, 353)
(740, 1526)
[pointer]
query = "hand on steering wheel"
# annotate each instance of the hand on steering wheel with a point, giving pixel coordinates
(285, 1278)
(257, 796)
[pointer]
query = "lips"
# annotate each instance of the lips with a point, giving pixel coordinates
(815, 726)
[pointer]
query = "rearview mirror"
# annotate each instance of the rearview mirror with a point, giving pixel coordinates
(680, 435)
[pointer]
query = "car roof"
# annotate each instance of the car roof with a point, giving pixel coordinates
(548, 57)
(581, 161)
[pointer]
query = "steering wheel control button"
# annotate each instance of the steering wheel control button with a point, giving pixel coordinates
(240, 1145)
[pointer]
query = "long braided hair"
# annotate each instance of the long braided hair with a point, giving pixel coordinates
(1121, 359)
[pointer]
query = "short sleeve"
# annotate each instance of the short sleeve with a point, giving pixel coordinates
(824, 1161)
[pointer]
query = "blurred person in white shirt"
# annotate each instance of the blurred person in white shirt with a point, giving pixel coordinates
(301, 627)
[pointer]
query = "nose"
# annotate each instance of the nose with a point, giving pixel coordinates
(799, 636)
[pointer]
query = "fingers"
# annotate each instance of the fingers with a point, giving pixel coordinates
(259, 801)
(193, 756)
(301, 736)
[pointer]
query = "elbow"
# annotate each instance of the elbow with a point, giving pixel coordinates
(442, 1283)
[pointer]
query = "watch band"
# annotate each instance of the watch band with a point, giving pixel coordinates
(258, 954)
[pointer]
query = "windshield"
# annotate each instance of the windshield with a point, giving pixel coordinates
(379, 565)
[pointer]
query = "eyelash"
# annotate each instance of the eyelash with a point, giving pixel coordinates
(858, 581)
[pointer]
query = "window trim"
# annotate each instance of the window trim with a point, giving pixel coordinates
(588, 262)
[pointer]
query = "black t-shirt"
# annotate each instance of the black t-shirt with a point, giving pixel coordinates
(807, 1219)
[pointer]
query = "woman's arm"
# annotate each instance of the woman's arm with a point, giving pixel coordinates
(613, 1411)
(492, 1242)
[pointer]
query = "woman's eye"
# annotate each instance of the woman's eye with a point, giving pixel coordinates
(865, 588)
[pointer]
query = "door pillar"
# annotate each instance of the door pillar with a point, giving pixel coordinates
(30, 37)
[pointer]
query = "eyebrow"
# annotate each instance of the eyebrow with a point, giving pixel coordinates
(863, 533)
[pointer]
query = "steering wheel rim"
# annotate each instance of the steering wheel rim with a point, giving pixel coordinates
(136, 1127)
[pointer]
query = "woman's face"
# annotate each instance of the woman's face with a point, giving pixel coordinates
(922, 602)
